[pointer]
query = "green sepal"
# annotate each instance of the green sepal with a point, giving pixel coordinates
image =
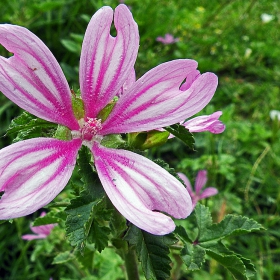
(62, 133)
(147, 140)
(112, 141)
(78, 106)
(104, 113)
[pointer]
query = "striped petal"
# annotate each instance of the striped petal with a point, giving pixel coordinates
(33, 172)
(106, 61)
(200, 181)
(33, 79)
(208, 192)
(155, 100)
(139, 188)
(206, 123)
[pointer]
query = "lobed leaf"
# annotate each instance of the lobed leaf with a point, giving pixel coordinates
(193, 256)
(230, 225)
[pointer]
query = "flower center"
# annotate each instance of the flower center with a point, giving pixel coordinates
(88, 130)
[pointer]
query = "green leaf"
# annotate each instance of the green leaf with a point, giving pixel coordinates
(152, 252)
(193, 256)
(181, 133)
(99, 236)
(27, 126)
(87, 258)
(80, 219)
(63, 257)
(232, 263)
(203, 218)
(181, 233)
(89, 176)
(230, 225)
(71, 46)
(46, 220)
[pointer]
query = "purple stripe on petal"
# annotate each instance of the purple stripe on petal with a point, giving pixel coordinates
(106, 62)
(155, 100)
(139, 188)
(200, 181)
(33, 79)
(33, 172)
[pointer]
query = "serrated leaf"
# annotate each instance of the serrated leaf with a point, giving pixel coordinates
(232, 263)
(99, 236)
(230, 225)
(182, 234)
(89, 177)
(170, 170)
(80, 219)
(26, 126)
(152, 252)
(193, 256)
(182, 133)
(203, 218)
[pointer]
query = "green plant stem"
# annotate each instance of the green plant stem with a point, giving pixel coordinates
(131, 265)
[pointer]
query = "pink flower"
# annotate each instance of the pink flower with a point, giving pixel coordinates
(167, 39)
(206, 123)
(33, 172)
(200, 182)
(41, 232)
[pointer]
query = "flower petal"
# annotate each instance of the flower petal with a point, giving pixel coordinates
(200, 181)
(208, 192)
(33, 236)
(155, 100)
(33, 79)
(206, 123)
(44, 229)
(107, 61)
(33, 172)
(187, 183)
(138, 187)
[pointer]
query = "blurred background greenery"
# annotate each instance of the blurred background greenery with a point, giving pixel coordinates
(240, 42)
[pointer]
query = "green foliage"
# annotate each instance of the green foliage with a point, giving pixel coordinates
(152, 252)
(84, 210)
(181, 133)
(209, 242)
(27, 126)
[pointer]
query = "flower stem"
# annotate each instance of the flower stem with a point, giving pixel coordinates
(131, 265)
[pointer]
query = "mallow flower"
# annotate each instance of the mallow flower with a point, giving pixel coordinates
(34, 171)
(167, 39)
(198, 193)
(40, 232)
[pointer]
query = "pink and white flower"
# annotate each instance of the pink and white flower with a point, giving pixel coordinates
(33, 172)
(40, 232)
(167, 39)
(200, 182)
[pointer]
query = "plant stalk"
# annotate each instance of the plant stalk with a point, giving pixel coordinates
(131, 265)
